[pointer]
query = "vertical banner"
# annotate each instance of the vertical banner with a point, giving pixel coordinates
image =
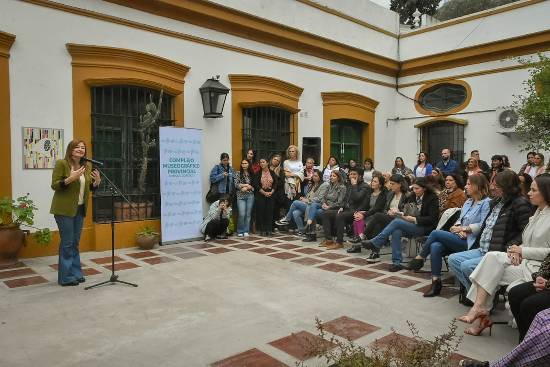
(180, 183)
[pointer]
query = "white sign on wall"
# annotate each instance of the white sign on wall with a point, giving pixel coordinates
(180, 183)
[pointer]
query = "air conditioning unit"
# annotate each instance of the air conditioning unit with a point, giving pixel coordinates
(507, 120)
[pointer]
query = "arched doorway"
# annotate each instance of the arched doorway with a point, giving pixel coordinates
(346, 140)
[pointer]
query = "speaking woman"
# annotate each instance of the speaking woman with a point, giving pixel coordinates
(72, 181)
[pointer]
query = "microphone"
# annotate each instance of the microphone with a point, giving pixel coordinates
(92, 161)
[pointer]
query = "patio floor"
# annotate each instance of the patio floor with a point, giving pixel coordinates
(237, 302)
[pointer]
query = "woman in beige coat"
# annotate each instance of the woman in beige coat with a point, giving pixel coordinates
(514, 266)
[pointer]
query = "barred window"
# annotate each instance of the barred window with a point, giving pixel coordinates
(118, 141)
(268, 130)
(440, 135)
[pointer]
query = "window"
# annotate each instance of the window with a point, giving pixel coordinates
(117, 141)
(449, 97)
(268, 130)
(443, 134)
(345, 140)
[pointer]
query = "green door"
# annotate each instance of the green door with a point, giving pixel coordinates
(345, 140)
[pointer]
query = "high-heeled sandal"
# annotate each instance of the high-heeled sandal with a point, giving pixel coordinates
(484, 323)
(477, 315)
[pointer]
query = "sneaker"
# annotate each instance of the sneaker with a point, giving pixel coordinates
(207, 238)
(240, 235)
(245, 234)
(368, 245)
(355, 249)
(300, 233)
(282, 222)
(374, 257)
(275, 230)
(395, 267)
(222, 236)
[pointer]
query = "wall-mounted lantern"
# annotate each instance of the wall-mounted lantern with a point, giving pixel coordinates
(213, 94)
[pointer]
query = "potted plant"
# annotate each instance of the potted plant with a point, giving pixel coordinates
(147, 238)
(15, 214)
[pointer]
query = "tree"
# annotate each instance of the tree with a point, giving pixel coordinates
(406, 8)
(457, 8)
(533, 108)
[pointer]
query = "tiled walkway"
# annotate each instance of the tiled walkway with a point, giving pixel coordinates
(241, 282)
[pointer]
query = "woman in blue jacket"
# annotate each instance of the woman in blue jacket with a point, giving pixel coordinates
(460, 237)
(422, 168)
(223, 176)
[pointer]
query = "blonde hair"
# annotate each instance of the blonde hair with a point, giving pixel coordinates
(287, 155)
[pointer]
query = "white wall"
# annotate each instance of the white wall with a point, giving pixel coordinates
(41, 91)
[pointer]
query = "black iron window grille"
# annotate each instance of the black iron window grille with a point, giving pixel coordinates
(267, 130)
(443, 97)
(116, 140)
(440, 135)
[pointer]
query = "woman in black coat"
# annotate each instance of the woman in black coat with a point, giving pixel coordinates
(419, 218)
(265, 187)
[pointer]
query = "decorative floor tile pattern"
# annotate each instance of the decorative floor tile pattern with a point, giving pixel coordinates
(308, 251)
(16, 273)
(218, 250)
(393, 338)
(142, 254)
(421, 275)
(357, 261)
(263, 250)
(90, 271)
(364, 274)
(301, 345)
(334, 267)
(446, 292)
(307, 261)
(200, 246)
(268, 242)
(250, 358)
(381, 266)
(23, 282)
(189, 255)
(158, 260)
(284, 255)
(244, 246)
(287, 246)
(225, 242)
(56, 266)
(174, 250)
(122, 266)
(106, 260)
(11, 265)
(398, 282)
(332, 256)
(289, 238)
(349, 328)
(251, 238)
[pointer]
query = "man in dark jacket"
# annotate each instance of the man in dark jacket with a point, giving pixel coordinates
(509, 215)
(446, 164)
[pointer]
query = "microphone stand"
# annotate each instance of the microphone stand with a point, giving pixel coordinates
(114, 190)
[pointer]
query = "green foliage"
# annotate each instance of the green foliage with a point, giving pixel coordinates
(20, 212)
(405, 8)
(399, 352)
(458, 8)
(533, 107)
(147, 231)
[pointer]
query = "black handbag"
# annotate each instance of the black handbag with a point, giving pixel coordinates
(212, 194)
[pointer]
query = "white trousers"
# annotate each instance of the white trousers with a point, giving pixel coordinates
(494, 270)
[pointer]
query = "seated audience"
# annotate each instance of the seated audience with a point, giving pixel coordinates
(537, 168)
(461, 236)
(525, 183)
(453, 195)
(472, 167)
(446, 164)
(482, 164)
(399, 168)
(422, 168)
(437, 180)
(509, 214)
(308, 174)
(214, 225)
(374, 203)
(527, 166)
(332, 165)
(335, 219)
(419, 217)
(515, 266)
(368, 169)
(497, 166)
(315, 190)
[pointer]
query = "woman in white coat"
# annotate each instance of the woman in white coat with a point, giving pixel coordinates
(514, 266)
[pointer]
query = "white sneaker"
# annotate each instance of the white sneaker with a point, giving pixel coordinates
(282, 222)
(240, 235)
(246, 234)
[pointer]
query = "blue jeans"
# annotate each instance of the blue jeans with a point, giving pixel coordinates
(244, 207)
(70, 229)
(462, 264)
(314, 210)
(296, 212)
(396, 229)
(440, 244)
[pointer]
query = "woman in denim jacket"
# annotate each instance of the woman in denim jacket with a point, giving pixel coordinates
(223, 176)
(460, 237)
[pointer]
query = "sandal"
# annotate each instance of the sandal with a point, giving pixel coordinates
(477, 314)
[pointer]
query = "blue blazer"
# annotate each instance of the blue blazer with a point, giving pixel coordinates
(473, 216)
(429, 169)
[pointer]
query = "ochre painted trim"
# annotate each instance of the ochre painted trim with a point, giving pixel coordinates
(199, 40)
(346, 105)
(440, 119)
(498, 50)
(255, 91)
(451, 111)
(6, 41)
(231, 21)
(470, 17)
(98, 65)
(467, 75)
(339, 14)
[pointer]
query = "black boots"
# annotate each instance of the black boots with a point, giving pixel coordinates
(415, 264)
(355, 249)
(435, 289)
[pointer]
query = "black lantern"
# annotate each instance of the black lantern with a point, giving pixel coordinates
(213, 95)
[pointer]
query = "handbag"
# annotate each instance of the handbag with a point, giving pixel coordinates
(212, 194)
(411, 209)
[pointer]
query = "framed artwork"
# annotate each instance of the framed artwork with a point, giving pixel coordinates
(41, 147)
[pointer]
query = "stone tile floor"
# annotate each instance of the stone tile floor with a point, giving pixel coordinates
(236, 302)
